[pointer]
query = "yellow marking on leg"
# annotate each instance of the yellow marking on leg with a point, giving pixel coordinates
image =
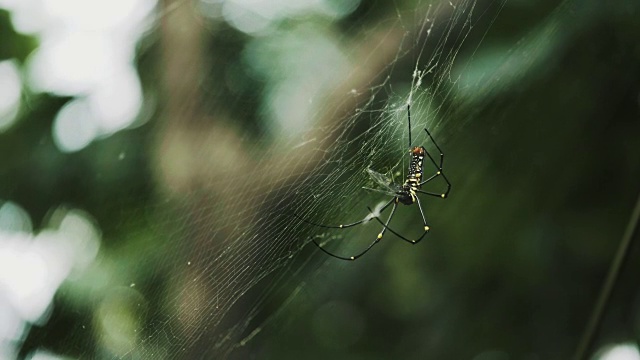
(438, 173)
(444, 195)
(340, 226)
(426, 228)
(379, 236)
(352, 258)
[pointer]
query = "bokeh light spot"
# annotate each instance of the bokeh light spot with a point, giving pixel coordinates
(619, 352)
(69, 64)
(117, 102)
(14, 218)
(73, 128)
(10, 92)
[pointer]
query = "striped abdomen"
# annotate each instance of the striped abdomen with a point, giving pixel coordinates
(407, 195)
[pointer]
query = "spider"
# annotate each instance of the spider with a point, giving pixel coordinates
(406, 194)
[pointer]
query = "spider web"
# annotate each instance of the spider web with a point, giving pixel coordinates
(237, 273)
(239, 248)
(242, 265)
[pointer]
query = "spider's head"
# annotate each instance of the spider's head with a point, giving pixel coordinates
(417, 151)
(405, 197)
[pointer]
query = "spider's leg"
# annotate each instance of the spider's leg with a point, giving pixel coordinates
(429, 179)
(426, 227)
(438, 173)
(350, 258)
(424, 219)
(409, 121)
(342, 226)
(439, 195)
(368, 218)
(378, 238)
(437, 147)
(433, 161)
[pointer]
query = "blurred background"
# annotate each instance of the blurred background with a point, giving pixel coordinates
(153, 153)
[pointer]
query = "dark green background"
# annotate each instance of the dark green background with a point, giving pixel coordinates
(545, 167)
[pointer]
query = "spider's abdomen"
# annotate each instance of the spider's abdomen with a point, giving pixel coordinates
(415, 167)
(407, 195)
